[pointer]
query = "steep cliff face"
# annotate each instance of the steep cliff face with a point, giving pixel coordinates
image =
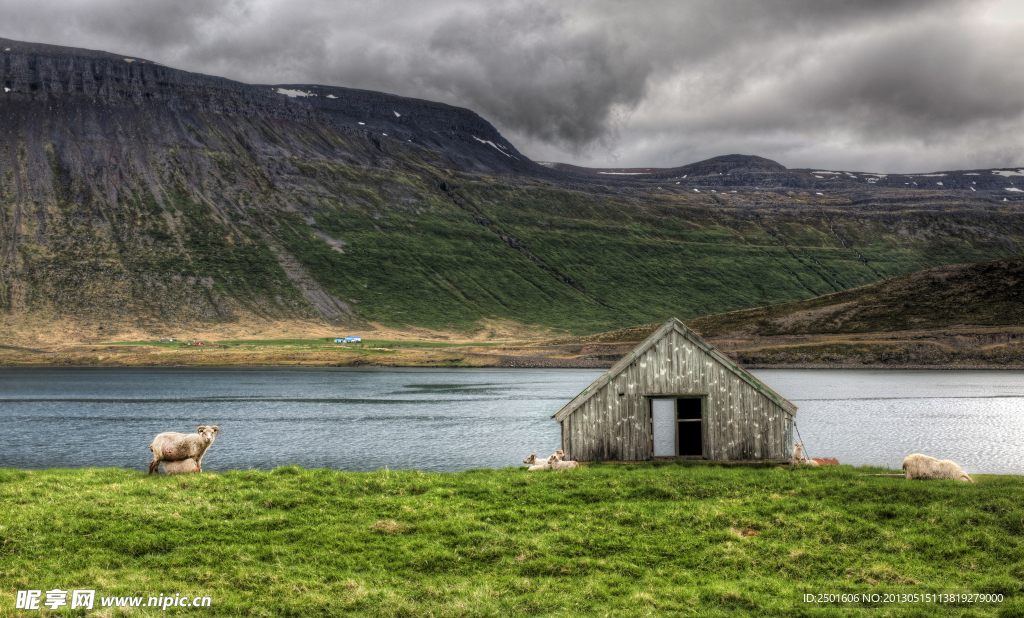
(35, 73)
(133, 189)
(133, 194)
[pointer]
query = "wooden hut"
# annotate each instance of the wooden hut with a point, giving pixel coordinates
(675, 395)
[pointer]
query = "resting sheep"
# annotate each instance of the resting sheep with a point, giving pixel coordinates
(536, 463)
(555, 462)
(918, 466)
(173, 446)
(185, 466)
(798, 455)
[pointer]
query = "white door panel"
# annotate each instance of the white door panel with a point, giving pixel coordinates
(664, 427)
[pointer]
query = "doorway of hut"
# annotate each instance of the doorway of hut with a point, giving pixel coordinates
(678, 426)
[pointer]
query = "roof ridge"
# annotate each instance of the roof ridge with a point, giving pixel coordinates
(677, 325)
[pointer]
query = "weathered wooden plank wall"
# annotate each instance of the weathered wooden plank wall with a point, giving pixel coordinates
(615, 423)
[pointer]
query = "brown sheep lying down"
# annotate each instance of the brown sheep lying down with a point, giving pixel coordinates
(174, 446)
(918, 466)
(185, 466)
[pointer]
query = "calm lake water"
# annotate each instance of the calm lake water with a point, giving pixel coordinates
(447, 420)
(975, 418)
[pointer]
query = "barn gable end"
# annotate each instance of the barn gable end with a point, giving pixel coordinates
(612, 420)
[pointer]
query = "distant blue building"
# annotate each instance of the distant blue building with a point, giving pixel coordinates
(348, 339)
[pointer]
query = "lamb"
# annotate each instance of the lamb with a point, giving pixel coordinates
(798, 455)
(185, 466)
(918, 466)
(173, 446)
(555, 462)
(536, 463)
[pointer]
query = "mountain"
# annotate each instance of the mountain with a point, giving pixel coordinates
(968, 314)
(139, 198)
(732, 171)
(983, 294)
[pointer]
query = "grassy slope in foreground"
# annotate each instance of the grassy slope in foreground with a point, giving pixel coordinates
(641, 540)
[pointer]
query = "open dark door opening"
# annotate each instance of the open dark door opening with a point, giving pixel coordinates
(690, 435)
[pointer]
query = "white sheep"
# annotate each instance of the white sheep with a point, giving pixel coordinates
(185, 466)
(536, 463)
(174, 446)
(798, 455)
(918, 466)
(556, 463)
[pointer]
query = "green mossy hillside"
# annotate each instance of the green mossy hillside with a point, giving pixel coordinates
(241, 219)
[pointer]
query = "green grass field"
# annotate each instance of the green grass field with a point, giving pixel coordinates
(605, 540)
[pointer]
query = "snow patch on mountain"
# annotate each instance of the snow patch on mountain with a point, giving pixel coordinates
(294, 93)
(485, 141)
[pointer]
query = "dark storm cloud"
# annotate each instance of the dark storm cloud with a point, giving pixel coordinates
(883, 84)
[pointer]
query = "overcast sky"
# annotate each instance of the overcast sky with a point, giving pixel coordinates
(868, 85)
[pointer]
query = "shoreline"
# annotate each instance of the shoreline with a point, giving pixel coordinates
(695, 463)
(504, 363)
(418, 354)
(850, 367)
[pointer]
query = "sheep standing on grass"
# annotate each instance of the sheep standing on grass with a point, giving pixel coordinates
(172, 446)
(918, 466)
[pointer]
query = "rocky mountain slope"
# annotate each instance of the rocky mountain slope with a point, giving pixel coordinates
(962, 314)
(139, 198)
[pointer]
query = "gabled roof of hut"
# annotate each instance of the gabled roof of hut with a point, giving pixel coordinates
(673, 325)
